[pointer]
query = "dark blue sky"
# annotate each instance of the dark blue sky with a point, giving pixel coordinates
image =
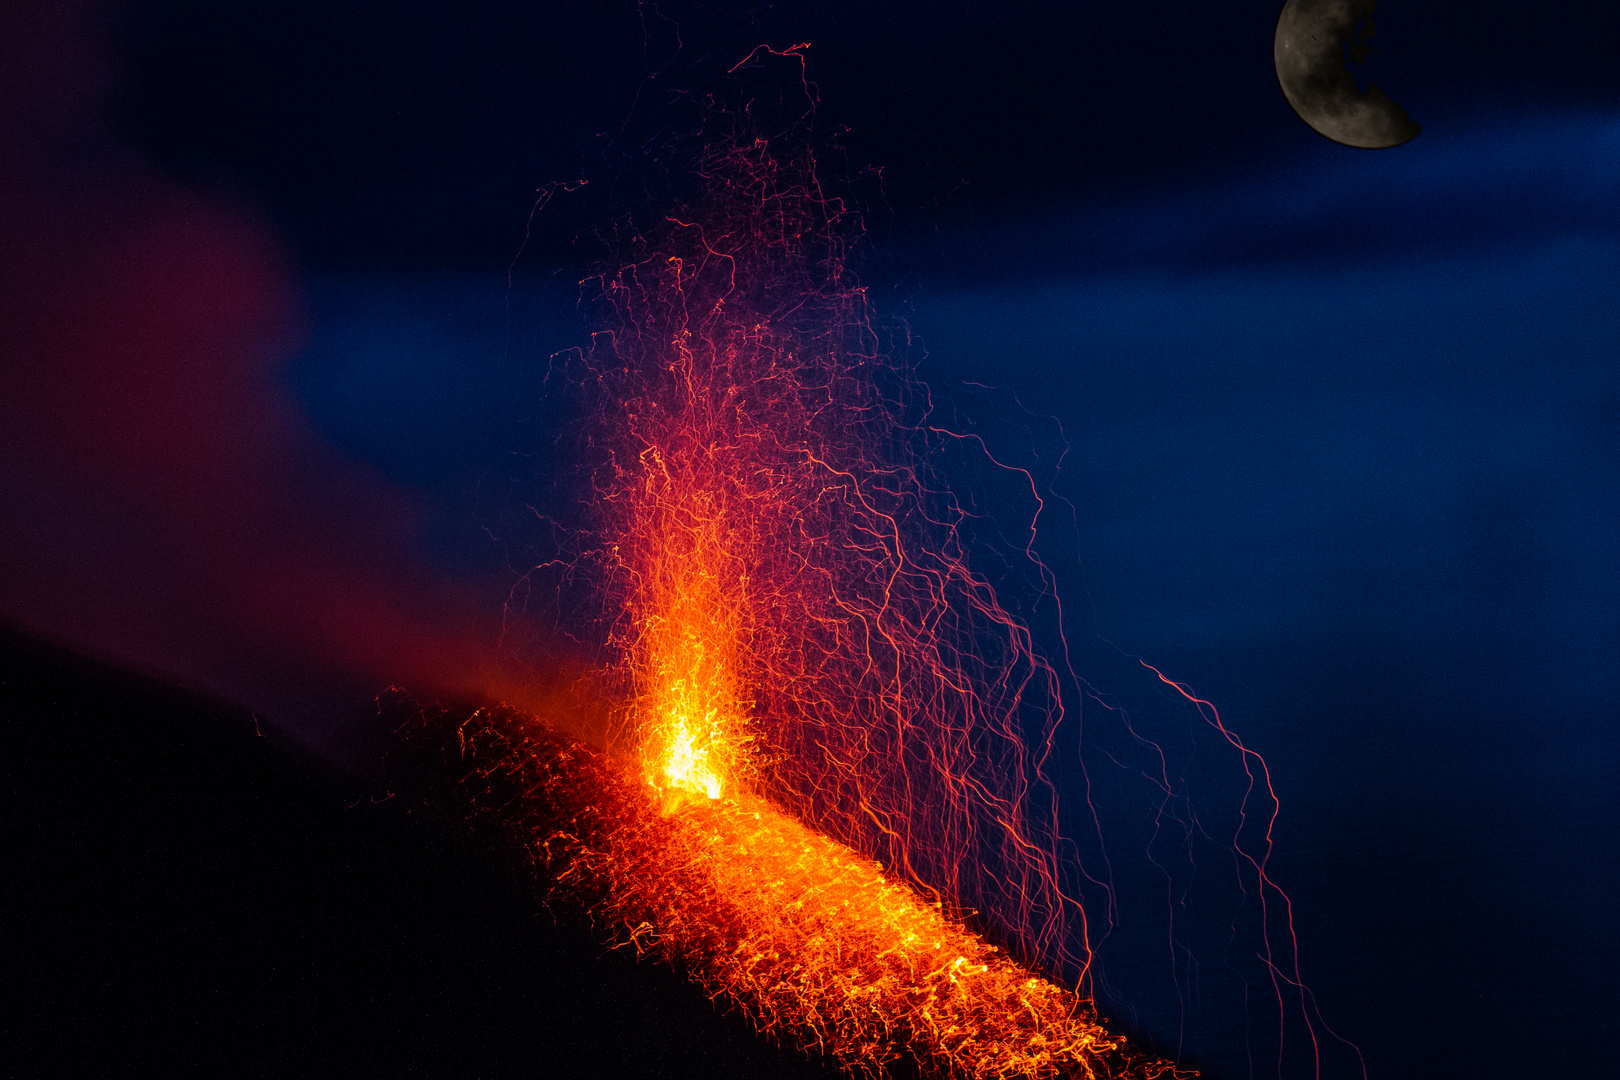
(418, 133)
(1341, 424)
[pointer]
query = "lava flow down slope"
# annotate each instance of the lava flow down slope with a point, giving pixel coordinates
(817, 944)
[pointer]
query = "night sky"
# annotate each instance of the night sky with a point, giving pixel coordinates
(1341, 434)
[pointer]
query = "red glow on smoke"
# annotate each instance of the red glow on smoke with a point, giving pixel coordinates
(166, 505)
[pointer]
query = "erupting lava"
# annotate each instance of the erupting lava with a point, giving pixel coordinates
(817, 684)
(788, 595)
(829, 749)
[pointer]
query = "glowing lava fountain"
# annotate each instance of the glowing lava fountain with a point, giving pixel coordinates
(789, 598)
(831, 741)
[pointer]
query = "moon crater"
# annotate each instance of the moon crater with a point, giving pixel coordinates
(1313, 37)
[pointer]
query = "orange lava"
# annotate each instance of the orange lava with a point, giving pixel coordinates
(820, 946)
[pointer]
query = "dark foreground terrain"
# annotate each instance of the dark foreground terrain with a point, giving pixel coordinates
(182, 895)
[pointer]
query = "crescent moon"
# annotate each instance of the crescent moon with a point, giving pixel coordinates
(1311, 35)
